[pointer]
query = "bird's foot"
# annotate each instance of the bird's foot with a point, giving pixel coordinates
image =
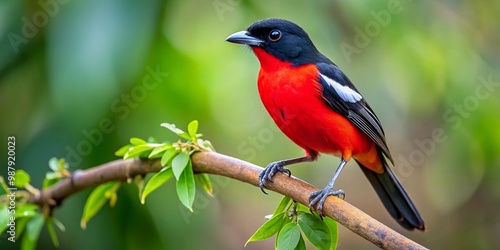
(318, 198)
(268, 173)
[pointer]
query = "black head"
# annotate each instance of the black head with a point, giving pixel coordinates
(281, 38)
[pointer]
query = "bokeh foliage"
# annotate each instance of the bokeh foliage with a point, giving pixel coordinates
(79, 78)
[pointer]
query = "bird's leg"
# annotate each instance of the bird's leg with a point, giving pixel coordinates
(318, 198)
(279, 166)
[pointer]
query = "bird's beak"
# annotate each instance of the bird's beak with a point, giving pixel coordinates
(243, 37)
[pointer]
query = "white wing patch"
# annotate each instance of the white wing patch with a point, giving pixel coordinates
(346, 93)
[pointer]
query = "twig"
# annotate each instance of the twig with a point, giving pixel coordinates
(218, 164)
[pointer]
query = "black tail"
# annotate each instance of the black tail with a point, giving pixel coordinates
(394, 197)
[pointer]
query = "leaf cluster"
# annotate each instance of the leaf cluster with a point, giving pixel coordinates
(175, 158)
(290, 221)
(20, 218)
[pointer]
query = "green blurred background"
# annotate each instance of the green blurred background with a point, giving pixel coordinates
(79, 78)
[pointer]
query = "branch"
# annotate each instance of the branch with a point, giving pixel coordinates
(218, 164)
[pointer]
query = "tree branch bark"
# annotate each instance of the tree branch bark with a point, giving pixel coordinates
(218, 164)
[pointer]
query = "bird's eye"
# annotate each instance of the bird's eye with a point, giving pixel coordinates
(274, 35)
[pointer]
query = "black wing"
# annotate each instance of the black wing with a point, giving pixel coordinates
(344, 98)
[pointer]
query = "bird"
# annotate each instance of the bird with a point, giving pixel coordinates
(318, 108)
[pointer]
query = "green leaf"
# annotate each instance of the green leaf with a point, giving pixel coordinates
(51, 175)
(284, 203)
(59, 167)
(4, 218)
(137, 151)
(158, 151)
(139, 181)
(54, 164)
(177, 131)
(5, 189)
(168, 156)
(33, 229)
(21, 225)
(52, 233)
(137, 141)
(96, 200)
(26, 210)
(288, 237)
(301, 245)
(123, 150)
(186, 187)
(156, 181)
(193, 129)
(21, 178)
(333, 227)
(315, 230)
(302, 208)
(112, 196)
(205, 144)
(172, 127)
(180, 162)
(62, 164)
(205, 183)
(58, 224)
(268, 229)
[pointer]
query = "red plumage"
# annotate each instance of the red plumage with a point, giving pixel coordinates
(316, 105)
(293, 98)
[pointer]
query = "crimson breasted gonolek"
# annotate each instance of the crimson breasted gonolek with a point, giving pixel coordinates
(316, 105)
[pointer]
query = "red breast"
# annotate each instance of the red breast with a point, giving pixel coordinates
(293, 97)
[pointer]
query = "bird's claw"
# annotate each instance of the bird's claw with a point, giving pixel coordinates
(268, 173)
(317, 199)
